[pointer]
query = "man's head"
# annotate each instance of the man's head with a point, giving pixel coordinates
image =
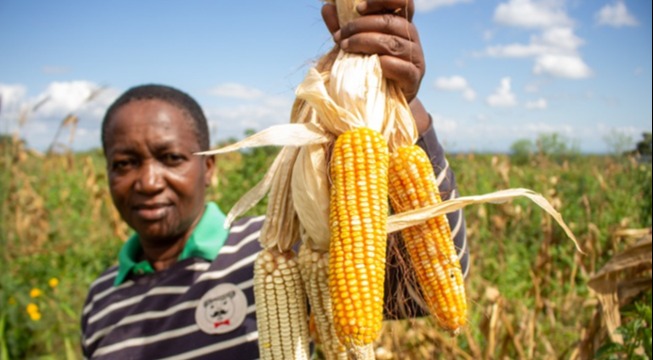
(150, 136)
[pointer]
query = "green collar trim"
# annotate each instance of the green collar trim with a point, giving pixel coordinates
(205, 242)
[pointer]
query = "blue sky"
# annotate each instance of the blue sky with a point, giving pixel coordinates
(497, 71)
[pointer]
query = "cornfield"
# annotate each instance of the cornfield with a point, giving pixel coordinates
(531, 294)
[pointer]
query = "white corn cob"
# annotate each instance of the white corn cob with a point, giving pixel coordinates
(314, 267)
(281, 311)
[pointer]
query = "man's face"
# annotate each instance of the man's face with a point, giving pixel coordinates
(156, 182)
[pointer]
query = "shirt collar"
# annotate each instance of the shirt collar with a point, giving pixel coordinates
(205, 242)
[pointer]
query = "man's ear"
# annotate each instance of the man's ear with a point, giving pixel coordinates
(209, 162)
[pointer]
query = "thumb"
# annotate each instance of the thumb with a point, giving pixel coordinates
(330, 17)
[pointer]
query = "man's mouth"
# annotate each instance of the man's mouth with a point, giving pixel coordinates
(152, 211)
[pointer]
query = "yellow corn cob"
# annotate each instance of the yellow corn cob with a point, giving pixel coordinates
(358, 220)
(412, 185)
(281, 312)
(314, 267)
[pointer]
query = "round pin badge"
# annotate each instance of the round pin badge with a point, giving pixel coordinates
(221, 310)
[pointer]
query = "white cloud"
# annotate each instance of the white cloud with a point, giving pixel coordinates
(453, 83)
(444, 124)
(554, 52)
(65, 97)
(554, 49)
(537, 128)
(49, 107)
(428, 5)
(565, 66)
(615, 15)
(231, 121)
(539, 104)
(464, 135)
(447, 130)
(11, 95)
(481, 117)
(503, 96)
(515, 50)
(469, 95)
(560, 38)
(237, 91)
(556, 40)
(58, 100)
(531, 14)
(458, 84)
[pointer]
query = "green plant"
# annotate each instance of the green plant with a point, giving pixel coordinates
(556, 146)
(644, 146)
(636, 332)
(521, 151)
(618, 142)
(646, 182)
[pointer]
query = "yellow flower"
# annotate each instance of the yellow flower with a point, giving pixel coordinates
(33, 312)
(35, 292)
(53, 282)
(35, 316)
(32, 308)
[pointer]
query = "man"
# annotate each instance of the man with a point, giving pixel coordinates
(183, 286)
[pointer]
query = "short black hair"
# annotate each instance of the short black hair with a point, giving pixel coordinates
(168, 94)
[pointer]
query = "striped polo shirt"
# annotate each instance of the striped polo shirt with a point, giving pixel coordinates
(154, 315)
(132, 312)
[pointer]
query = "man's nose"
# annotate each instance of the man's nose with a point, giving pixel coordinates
(150, 178)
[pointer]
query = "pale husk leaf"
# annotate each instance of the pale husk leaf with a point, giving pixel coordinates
(255, 194)
(281, 225)
(357, 84)
(406, 219)
(310, 192)
(277, 135)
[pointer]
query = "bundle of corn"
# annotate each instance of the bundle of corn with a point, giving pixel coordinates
(348, 149)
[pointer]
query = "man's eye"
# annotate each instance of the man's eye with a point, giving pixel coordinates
(172, 158)
(121, 164)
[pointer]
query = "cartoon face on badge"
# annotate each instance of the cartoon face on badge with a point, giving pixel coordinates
(220, 310)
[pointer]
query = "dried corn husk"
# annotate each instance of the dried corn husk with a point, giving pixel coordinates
(310, 185)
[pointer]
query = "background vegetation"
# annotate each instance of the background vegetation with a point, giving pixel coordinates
(529, 292)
